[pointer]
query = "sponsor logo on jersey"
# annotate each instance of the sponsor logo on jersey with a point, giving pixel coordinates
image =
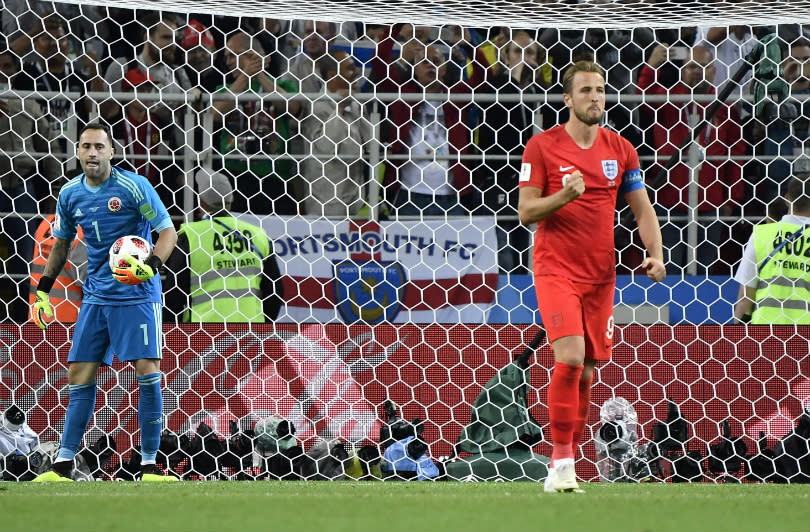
(610, 168)
(565, 168)
(93, 209)
(114, 204)
(525, 171)
(78, 212)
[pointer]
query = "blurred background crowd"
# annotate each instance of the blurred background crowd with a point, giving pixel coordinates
(286, 111)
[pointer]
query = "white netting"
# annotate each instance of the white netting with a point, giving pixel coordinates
(424, 298)
(528, 14)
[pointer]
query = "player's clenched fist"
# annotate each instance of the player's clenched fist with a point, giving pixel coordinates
(573, 185)
(655, 269)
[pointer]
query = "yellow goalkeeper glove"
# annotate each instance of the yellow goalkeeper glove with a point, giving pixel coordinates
(138, 271)
(42, 304)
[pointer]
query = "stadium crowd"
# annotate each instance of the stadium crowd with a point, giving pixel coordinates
(312, 156)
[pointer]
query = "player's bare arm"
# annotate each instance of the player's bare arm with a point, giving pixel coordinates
(534, 207)
(57, 258)
(650, 233)
(165, 244)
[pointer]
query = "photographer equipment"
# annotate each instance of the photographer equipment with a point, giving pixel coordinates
(771, 92)
(395, 428)
(668, 456)
(501, 433)
(761, 466)
(365, 463)
(407, 460)
(17, 441)
(726, 456)
(792, 453)
(238, 456)
(204, 450)
(619, 457)
(99, 455)
(325, 460)
(276, 449)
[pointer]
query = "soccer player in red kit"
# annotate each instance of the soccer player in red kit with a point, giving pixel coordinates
(569, 180)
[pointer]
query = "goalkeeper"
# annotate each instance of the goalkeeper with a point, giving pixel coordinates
(121, 310)
(568, 181)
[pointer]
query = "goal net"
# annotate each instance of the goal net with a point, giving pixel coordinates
(378, 147)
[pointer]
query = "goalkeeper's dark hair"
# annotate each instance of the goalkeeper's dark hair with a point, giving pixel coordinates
(579, 66)
(99, 126)
(798, 195)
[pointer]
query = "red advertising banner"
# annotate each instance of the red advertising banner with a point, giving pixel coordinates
(330, 380)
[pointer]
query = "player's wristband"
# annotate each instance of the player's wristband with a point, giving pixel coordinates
(46, 283)
(154, 262)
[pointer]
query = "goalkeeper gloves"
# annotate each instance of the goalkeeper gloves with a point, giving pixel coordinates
(138, 271)
(40, 306)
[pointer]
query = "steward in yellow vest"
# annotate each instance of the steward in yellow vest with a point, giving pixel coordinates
(774, 274)
(224, 268)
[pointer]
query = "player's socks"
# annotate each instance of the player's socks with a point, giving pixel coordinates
(150, 415)
(563, 403)
(582, 412)
(79, 411)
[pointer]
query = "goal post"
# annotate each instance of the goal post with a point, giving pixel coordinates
(378, 145)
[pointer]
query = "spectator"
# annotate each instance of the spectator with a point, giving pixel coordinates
(720, 187)
(427, 183)
(24, 130)
(335, 127)
(774, 274)
(256, 129)
(731, 45)
(200, 48)
(157, 58)
(505, 129)
(224, 268)
(786, 136)
(315, 40)
(66, 294)
(47, 69)
(142, 134)
(23, 20)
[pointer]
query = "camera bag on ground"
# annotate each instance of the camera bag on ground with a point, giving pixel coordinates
(501, 432)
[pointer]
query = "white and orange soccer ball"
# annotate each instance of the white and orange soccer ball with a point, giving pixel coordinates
(134, 246)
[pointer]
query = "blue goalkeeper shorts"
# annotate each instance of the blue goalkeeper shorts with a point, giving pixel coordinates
(130, 332)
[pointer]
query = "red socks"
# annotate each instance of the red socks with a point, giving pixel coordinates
(563, 408)
(582, 412)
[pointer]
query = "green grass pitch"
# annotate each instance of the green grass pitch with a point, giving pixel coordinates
(414, 506)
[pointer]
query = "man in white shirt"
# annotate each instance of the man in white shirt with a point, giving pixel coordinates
(156, 59)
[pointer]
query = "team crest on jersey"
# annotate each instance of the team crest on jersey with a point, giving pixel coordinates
(610, 168)
(114, 204)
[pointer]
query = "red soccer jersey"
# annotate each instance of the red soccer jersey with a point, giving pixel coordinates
(576, 242)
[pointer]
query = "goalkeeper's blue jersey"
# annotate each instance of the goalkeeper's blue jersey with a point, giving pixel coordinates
(126, 204)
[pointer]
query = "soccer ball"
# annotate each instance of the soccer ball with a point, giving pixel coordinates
(134, 246)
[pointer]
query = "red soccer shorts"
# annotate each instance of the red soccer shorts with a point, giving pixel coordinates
(569, 308)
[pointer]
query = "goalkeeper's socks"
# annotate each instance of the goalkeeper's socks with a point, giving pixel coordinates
(150, 415)
(79, 411)
(563, 405)
(582, 412)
